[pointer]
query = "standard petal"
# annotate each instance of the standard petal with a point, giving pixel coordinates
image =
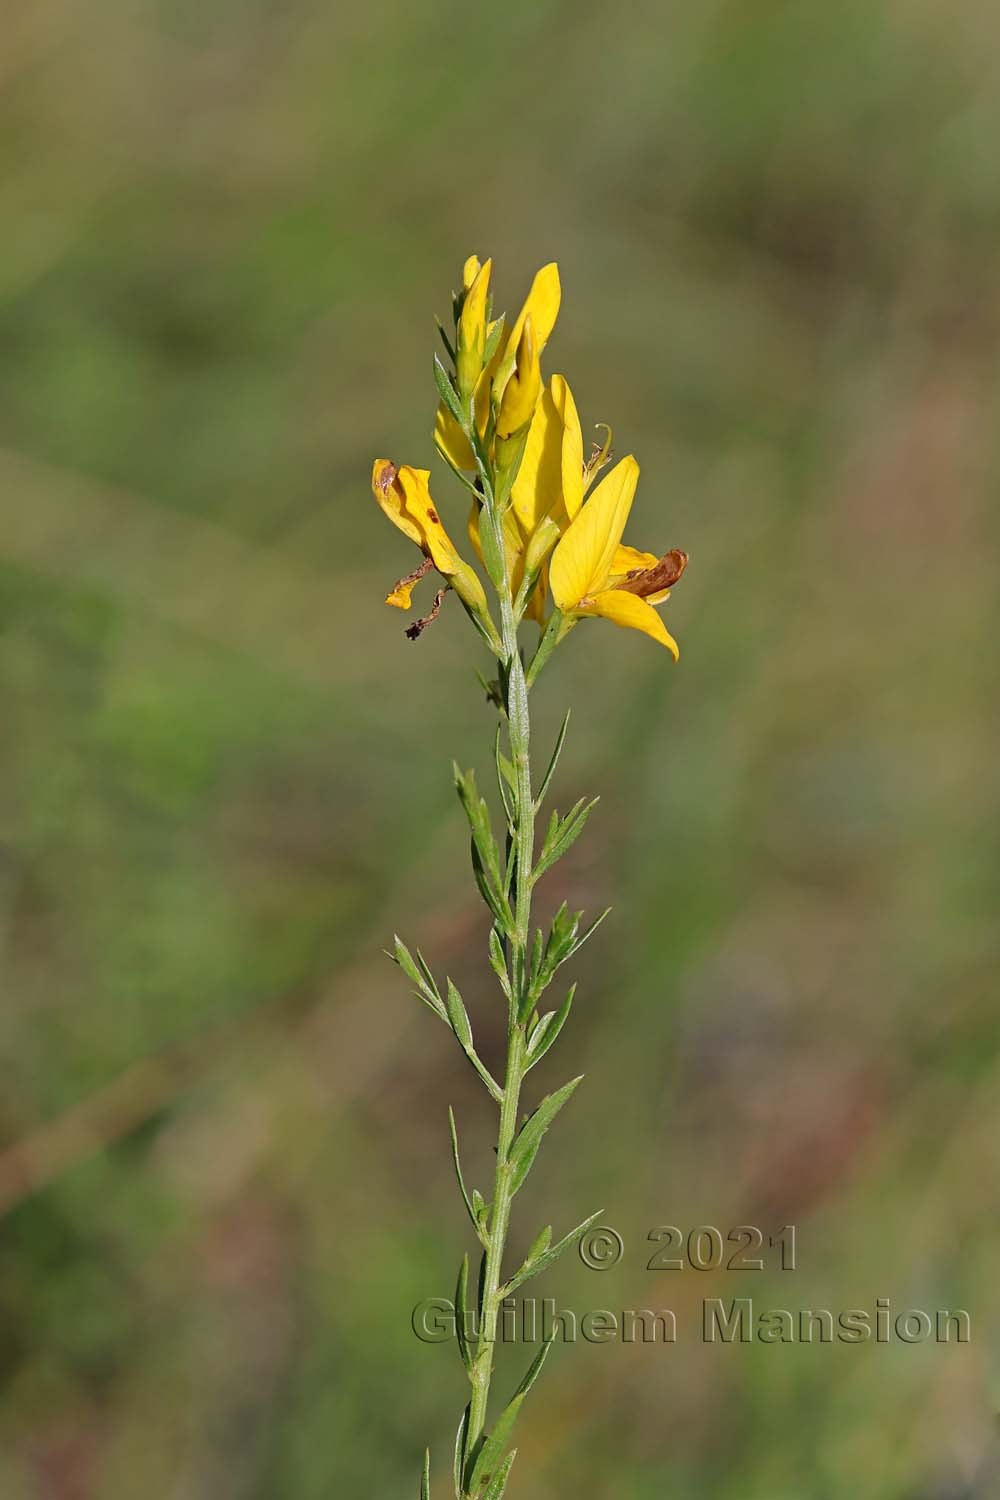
(633, 613)
(582, 560)
(542, 306)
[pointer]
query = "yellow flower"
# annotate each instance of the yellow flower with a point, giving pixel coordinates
(404, 494)
(591, 573)
(542, 306)
(472, 330)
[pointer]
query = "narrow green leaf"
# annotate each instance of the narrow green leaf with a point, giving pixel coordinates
(429, 979)
(493, 558)
(458, 1017)
(425, 1478)
(459, 474)
(445, 339)
(458, 1020)
(424, 990)
(578, 942)
(535, 1368)
(526, 1144)
(489, 1457)
(537, 949)
(463, 1428)
(462, 1313)
(548, 1029)
(494, 1490)
(565, 835)
(539, 1245)
(493, 339)
(478, 815)
(498, 962)
(495, 899)
(550, 772)
(505, 780)
(547, 1258)
(469, 1202)
(480, 1209)
(447, 391)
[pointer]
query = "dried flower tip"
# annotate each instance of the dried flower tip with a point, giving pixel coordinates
(414, 631)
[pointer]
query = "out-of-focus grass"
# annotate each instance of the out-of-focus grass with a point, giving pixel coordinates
(224, 772)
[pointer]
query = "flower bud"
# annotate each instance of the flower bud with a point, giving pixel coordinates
(517, 404)
(472, 327)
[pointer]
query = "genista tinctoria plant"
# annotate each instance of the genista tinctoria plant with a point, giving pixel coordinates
(548, 535)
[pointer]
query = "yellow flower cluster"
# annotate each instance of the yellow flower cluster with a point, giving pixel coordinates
(562, 533)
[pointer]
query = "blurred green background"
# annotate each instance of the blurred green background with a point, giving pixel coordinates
(224, 772)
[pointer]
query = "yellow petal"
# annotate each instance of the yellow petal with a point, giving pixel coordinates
(472, 529)
(572, 446)
(400, 596)
(628, 559)
(470, 271)
(451, 440)
(389, 493)
(633, 613)
(582, 561)
(421, 510)
(536, 604)
(539, 480)
(541, 305)
(524, 387)
(472, 331)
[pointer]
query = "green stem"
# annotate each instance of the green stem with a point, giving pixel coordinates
(523, 854)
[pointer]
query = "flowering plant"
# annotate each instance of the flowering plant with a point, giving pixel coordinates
(548, 534)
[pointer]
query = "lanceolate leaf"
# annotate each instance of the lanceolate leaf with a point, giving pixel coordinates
(489, 1466)
(498, 962)
(458, 1016)
(445, 339)
(494, 1490)
(447, 391)
(578, 942)
(490, 1453)
(478, 815)
(469, 1207)
(528, 1139)
(505, 779)
(548, 1029)
(463, 1428)
(546, 1259)
(562, 833)
(495, 899)
(419, 976)
(493, 339)
(550, 772)
(535, 1368)
(458, 1020)
(462, 1313)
